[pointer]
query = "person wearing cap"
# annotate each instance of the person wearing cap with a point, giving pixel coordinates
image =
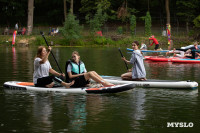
(154, 41)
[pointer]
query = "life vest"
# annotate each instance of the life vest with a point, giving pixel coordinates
(76, 69)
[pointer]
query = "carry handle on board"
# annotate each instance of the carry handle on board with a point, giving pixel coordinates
(123, 56)
(51, 51)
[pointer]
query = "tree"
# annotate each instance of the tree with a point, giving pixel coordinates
(148, 24)
(30, 16)
(186, 10)
(167, 11)
(98, 20)
(197, 22)
(65, 9)
(133, 24)
(122, 11)
(72, 6)
(90, 7)
(71, 30)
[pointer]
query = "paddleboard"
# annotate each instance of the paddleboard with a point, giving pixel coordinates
(153, 83)
(186, 60)
(190, 47)
(150, 51)
(29, 86)
(161, 59)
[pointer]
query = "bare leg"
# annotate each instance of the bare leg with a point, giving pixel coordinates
(127, 76)
(93, 75)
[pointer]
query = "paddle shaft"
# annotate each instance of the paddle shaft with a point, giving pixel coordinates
(123, 56)
(51, 53)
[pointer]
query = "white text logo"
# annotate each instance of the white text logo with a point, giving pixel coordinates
(179, 124)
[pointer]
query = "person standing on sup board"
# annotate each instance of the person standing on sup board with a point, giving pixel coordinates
(138, 71)
(76, 70)
(42, 68)
(154, 41)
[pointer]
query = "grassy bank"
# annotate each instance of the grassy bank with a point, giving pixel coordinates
(108, 40)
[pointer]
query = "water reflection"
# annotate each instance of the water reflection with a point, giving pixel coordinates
(42, 111)
(169, 70)
(138, 110)
(77, 112)
(14, 62)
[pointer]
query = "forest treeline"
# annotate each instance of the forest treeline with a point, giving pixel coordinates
(179, 13)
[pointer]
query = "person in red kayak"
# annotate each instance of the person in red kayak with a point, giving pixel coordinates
(154, 41)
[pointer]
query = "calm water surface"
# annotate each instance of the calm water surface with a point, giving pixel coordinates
(139, 110)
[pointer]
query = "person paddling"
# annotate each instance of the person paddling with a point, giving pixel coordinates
(76, 70)
(42, 68)
(138, 71)
(154, 41)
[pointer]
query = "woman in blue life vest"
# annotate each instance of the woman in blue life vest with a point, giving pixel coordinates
(42, 68)
(75, 70)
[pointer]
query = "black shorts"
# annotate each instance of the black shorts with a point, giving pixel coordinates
(156, 47)
(42, 82)
(80, 81)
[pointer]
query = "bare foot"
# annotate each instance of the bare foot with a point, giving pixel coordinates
(107, 84)
(50, 85)
(67, 85)
(143, 79)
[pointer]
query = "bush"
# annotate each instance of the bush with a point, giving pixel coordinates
(120, 30)
(71, 30)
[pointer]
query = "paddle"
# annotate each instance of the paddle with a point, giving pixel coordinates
(123, 56)
(51, 51)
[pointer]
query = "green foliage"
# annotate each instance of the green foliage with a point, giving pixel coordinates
(72, 29)
(196, 22)
(187, 9)
(97, 22)
(148, 24)
(89, 6)
(120, 30)
(132, 24)
(39, 40)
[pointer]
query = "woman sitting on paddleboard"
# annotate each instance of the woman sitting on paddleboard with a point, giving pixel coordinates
(138, 71)
(42, 68)
(75, 70)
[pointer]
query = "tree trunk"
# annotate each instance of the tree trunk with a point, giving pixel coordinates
(167, 11)
(72, 6)
(187, 27)
(30, 16)
(65, 9)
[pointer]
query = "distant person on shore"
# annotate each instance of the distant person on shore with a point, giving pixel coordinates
(16, 26)
(42, 68)
(23, 31)
(154, 41)
(6, 31)
(138, 71)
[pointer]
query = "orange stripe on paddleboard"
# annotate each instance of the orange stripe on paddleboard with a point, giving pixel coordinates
(94, 88)
(26, 83)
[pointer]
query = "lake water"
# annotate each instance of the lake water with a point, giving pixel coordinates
(139, 110)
